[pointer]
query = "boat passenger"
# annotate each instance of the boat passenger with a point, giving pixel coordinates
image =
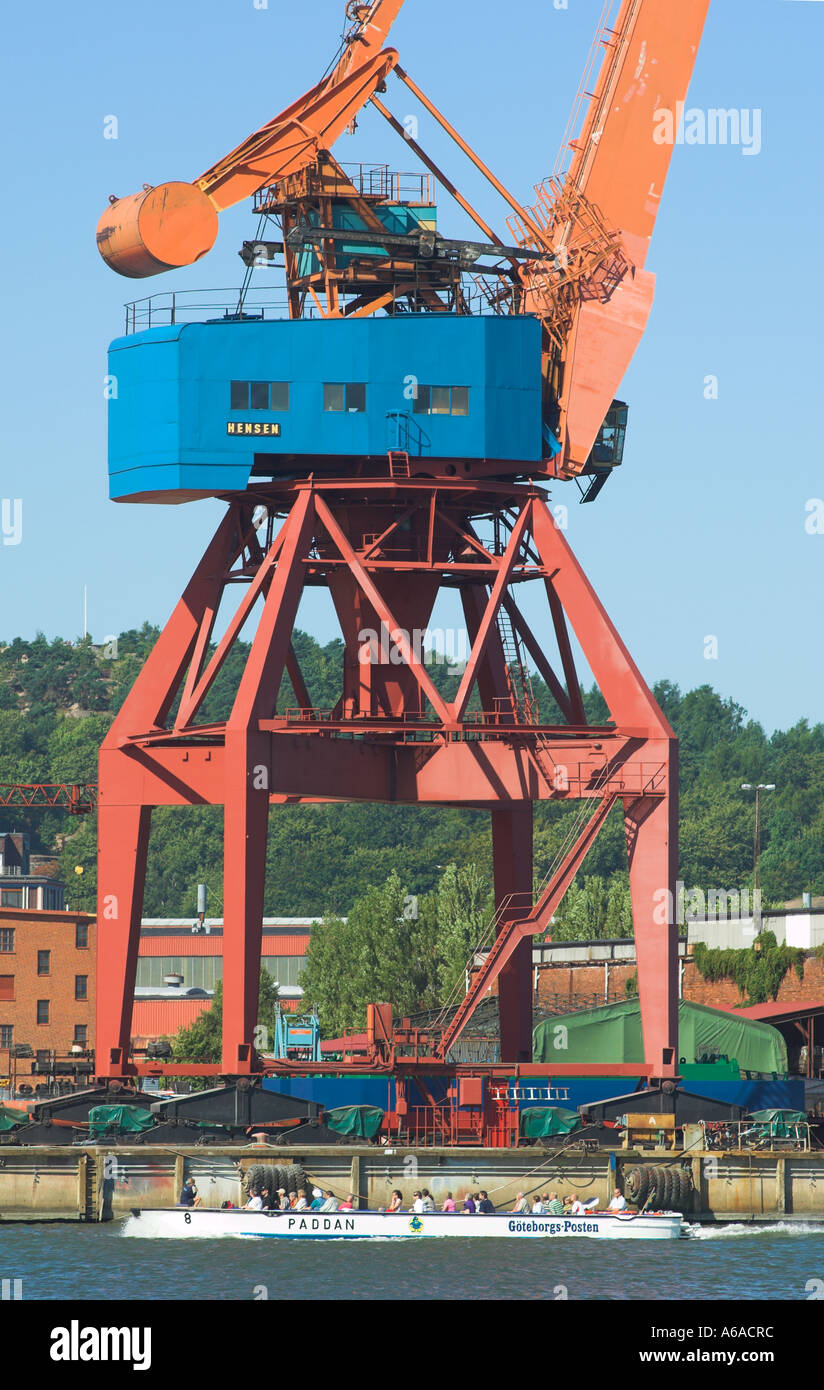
(317, 1199)
(396, 1202)
(283, 1203)
(537, 1205)
(267, 1201)
(293, 1200)
(618, 1203)
(349, 1204)
(521, 1204)
(301, 1204)
(428, 1200)
(555, 1206)
(330, 1202)
(417, 1203)
(449, 1204)
(189, 1197)
(484, 1205)
(469, 1207)
(579, 1208)
(255, 1202)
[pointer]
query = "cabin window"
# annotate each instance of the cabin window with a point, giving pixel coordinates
(442, 400)
(259, 395)
(348, 397)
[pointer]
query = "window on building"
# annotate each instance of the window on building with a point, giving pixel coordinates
(442, 400)
(285, 969)
(42, 1011)
(259, 395)
(6, 987)
(349, 397)
(6, 938)
(43, 962)
(81, 1034)
(11, 897)
(199, 972)
(6, 1035)
(53, 898)
(81, 986)
(81, 936)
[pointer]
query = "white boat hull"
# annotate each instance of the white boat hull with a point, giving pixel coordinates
(181, 1224)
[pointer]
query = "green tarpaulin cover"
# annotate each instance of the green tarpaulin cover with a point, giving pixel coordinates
(787, 1117)
(119, 1119)
(613, 1034)
(10, 1119)
(363, 1121)
(542, 1120)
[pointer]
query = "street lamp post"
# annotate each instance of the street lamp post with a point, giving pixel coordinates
(758, 788)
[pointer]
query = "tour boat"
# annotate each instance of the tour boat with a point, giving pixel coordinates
(178, 1223)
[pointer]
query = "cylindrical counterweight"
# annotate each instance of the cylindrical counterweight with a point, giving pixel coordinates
(156, 230)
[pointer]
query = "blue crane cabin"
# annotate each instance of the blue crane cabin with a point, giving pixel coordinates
(204, 409)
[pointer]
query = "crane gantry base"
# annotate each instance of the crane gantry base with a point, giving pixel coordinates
(384, 549)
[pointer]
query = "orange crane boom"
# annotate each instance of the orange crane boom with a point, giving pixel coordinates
(620, 168)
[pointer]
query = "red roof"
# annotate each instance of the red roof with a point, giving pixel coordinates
(769, 1013)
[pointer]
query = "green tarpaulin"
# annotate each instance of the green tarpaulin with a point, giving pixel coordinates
(362, 1121)
(542, 1120)
(119, 1119)
(790, 1117)
(613, 1034)
(10, 1119)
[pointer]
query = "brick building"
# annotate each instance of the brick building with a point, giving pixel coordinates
(47, 981)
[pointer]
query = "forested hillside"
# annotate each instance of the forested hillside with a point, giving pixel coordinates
(57, 699)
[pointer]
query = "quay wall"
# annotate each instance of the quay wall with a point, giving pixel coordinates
(96, 1184)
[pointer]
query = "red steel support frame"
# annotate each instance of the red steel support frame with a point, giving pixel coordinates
(392, 737)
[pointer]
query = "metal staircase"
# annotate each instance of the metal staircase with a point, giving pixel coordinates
(531, 921)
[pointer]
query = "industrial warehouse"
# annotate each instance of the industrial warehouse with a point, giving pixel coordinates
(390, 418)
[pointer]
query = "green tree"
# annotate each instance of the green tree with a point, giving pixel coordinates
(596, 910)
(385, 952)
(462, 910)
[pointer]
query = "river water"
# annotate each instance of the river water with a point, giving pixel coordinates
(728, 1263)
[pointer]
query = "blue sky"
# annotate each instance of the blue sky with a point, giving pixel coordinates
(701, 533)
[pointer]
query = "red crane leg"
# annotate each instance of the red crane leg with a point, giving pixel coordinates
(652, 830)
(512, 864)
(245, 825)
(248, 784)
(121, 873)
(652, 838)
